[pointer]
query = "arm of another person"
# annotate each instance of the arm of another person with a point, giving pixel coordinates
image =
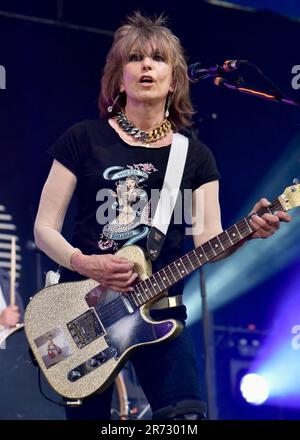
(109, 270)
(10, 316)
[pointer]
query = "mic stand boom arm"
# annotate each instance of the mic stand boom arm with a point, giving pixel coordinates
(249, 90)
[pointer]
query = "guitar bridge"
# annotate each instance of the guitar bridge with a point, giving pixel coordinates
(85, 328)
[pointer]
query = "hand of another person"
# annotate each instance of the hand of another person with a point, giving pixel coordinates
(267, 224)
(10, 316)
(110, 271)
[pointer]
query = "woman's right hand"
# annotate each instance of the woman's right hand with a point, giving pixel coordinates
(110, 271)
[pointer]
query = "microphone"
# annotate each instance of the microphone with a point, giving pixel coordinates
(197, 72)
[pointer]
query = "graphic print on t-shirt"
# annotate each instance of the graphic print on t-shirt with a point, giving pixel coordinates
(130, 205)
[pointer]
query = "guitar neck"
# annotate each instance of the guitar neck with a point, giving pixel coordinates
(153, 286)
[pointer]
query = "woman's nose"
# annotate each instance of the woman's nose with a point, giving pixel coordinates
(147, 63)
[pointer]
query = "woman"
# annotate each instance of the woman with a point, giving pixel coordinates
(145, 78)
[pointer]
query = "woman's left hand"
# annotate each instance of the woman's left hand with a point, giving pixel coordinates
(267, 224)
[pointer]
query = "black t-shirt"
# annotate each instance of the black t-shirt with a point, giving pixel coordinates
(115, 183)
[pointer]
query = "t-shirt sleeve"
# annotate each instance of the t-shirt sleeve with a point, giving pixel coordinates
(205, 167)
(71, 147)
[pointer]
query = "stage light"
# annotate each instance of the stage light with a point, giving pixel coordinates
(254, 389)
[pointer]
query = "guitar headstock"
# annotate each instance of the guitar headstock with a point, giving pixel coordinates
(291, 196)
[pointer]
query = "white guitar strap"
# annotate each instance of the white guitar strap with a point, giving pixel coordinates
(168, 195)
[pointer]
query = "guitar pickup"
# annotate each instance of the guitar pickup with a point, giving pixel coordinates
(85, 328)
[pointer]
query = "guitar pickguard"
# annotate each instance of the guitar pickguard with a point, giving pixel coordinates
(122, 329)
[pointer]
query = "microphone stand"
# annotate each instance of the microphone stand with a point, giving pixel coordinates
(38, 262)
(209, 358)
(250, 90)
(207, 328)
(31, 246)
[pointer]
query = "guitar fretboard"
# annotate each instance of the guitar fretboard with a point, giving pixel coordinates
(148, 289)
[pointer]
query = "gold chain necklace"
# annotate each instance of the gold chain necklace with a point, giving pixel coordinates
(156, 133)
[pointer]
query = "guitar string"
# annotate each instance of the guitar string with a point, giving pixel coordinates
(113, 307)
(107, 309)
(243, 229)
(108, 304)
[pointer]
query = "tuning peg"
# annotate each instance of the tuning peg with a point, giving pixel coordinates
(295, 181)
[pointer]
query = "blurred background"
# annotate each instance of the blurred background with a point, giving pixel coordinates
(52, 53)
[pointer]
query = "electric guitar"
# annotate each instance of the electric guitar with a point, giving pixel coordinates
(81, 335)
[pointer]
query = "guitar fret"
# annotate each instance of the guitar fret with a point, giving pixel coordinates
(247, 223)
(176, 269)
(212, 247)
(193, 267)
(244, 228)
(140, 296)
(184, 264)
(208, 251)
(145, 293)
(220, 242)
(203, 251)
(148, 287)
(158, 281)
(171, 272)
(137, 298)
(189, 263)
(133, 296)
(199, 261)
(195, 259)
(225, 240)
(215, 243)
(162, 279)
(219, 245)
(153, 285)
(238, 230)
(167, 277)
(234, 236)
(229, 237)
(179, 265)
(182, 267)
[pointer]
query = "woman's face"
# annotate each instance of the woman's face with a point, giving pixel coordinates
(130, 183)
(146, 77)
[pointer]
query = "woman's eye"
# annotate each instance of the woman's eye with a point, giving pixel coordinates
(134, 57)
(158, 57)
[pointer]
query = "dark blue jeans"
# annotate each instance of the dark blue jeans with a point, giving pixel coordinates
(167, 372)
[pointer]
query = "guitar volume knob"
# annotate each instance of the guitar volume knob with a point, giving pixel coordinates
(74, 375)
(93, 362)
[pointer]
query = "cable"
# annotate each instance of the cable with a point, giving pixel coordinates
(61, 403)
(268, 80)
